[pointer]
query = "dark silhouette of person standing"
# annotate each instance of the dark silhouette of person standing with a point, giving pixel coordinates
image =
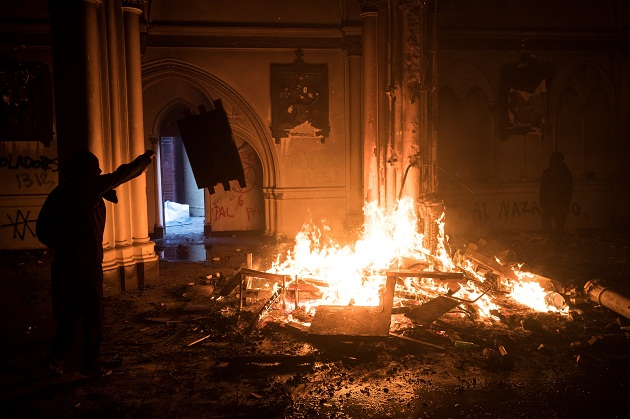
(71, 223)
(556, 192)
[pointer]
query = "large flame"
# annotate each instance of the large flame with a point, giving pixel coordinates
(355, 273)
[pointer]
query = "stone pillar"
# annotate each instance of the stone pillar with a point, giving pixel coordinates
(119, 140)
(383, 137)
(158, 228)
(411, 96)
(112, 281)
(91, 111)
(131, 24)
(143, 248)
(272, 210)
(391, 105)
(396, 165)
(207, 226)
(76, 71)
(431, 51)
(354, 214)
(370, 104)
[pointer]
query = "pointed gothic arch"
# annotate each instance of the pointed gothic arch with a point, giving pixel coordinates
(193, 86)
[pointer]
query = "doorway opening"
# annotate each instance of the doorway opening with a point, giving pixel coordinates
(183, 204)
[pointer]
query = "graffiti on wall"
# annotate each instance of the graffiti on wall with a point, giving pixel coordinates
(27, 174)
(514, 210)
(252, 212)
(17, 227)
(20, 224)
(241, 208)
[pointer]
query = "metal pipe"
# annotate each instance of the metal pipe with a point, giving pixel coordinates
(607, 298)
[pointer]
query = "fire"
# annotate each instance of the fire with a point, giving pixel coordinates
(529, 292)
(355, 273)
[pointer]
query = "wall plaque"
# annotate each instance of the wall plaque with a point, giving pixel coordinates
(299, 100)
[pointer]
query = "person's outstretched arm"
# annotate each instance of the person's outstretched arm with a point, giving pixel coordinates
(125, 172)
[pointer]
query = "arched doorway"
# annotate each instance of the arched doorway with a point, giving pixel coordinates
(182, 202)
(172, 88)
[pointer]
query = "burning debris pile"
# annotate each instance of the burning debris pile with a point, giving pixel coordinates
(388, 283)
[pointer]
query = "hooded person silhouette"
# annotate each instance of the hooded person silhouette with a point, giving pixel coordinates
(556, 192)
(71, 223)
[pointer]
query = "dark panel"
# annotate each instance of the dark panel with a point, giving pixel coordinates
(211, 148)
(26, 106)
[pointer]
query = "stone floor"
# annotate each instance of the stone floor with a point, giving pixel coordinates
(185, 241)
(562, 368)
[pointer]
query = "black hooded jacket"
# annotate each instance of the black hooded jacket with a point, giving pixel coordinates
(72, 219)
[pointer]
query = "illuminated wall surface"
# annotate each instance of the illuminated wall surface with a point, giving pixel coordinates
(509, 83)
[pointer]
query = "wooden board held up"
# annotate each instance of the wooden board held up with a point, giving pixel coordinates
(211, 149)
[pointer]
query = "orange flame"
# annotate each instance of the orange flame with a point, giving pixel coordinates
(355, 273)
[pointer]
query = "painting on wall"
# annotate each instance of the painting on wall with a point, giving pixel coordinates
(299, 100)
(524, 97)
(26, 107)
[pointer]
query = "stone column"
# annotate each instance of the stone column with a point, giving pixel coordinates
(111, 283)
(138, 186)
(272, 210)
(119, 139)
(208, 213)
(370, 103)
(432, 94)
(354, 214)
(392, 123)
(383, 137)
(78, 96)
(411, 96)
(76, 71)
(158, 228)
